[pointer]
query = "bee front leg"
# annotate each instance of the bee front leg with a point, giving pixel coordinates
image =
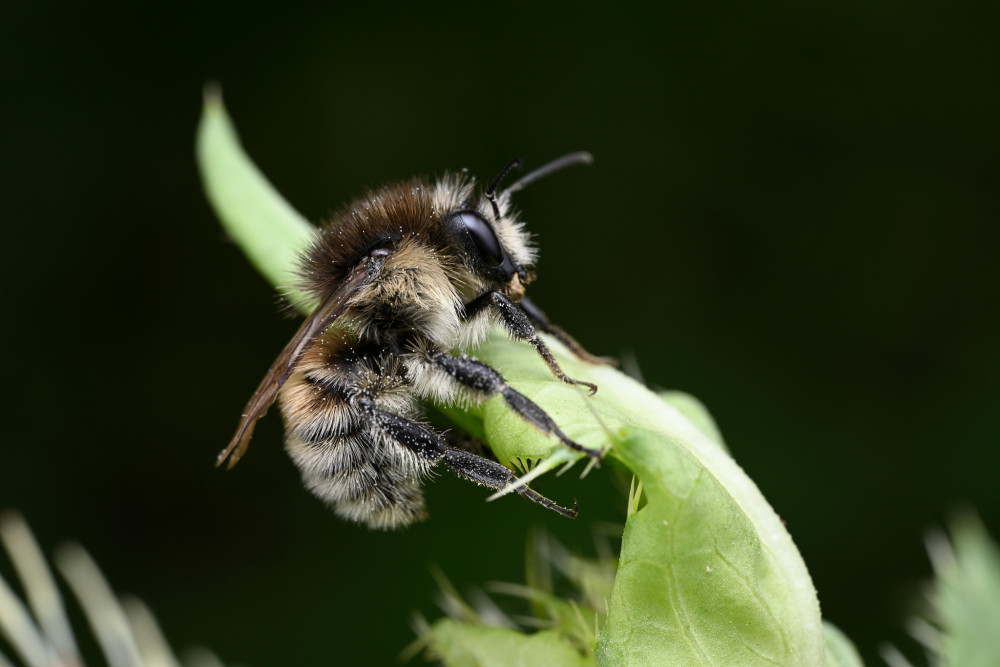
(519, 326)
(542, 322)
(427, 444)
(485, 381)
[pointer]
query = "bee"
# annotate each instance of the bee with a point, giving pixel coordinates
(401, 278)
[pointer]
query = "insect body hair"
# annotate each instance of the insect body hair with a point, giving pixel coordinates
(413, 303)
(404, 279)
(344, 458)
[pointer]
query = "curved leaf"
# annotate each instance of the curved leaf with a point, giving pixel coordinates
(270, 232)
(708, 575)
(840, 651)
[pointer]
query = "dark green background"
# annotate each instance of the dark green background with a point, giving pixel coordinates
(793, 215)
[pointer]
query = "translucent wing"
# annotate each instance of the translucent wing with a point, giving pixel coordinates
(285, 364)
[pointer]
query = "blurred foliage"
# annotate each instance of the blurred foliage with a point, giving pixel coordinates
(965, 599)
(840, 652)
(37, 632)
(961, 611)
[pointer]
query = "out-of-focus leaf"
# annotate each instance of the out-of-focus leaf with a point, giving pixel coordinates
(695, 410)
(965, 597)
(840, 651)
(40, 633)
(462, 645)
(256, 217)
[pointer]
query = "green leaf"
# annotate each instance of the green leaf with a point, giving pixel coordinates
(462, 645)
(695, 411)
(574, 623)
(269, 231)
(840, 651)
(708, 574)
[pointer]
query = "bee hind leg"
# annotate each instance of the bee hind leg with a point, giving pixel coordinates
(427, 444)
(492, 474)
(486, 381)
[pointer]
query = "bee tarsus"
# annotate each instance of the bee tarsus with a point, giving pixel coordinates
(542, 323)
(519, 326)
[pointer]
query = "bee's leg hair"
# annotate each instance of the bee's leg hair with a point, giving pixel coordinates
(486, 381)
(426, 443)
(543, 323)
(519, 327)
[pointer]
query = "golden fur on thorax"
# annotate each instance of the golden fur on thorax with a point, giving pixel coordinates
(413, 289)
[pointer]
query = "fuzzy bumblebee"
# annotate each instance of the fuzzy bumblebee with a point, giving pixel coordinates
(403, 277)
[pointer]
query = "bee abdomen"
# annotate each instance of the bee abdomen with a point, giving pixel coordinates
(361, 481)
(321, 432)
(390, 499)
(344, 458)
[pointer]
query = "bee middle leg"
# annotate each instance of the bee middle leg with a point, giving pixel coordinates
(429, 445)
(485, 381)
(519, 326)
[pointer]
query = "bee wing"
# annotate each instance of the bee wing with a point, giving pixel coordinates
(313, 327)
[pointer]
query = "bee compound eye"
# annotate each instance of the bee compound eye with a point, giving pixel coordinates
(482, 236)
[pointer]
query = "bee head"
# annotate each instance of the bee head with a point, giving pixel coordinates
(483, 250)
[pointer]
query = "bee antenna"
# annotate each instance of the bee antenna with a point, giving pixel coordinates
(571, 160)
(491, 190)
